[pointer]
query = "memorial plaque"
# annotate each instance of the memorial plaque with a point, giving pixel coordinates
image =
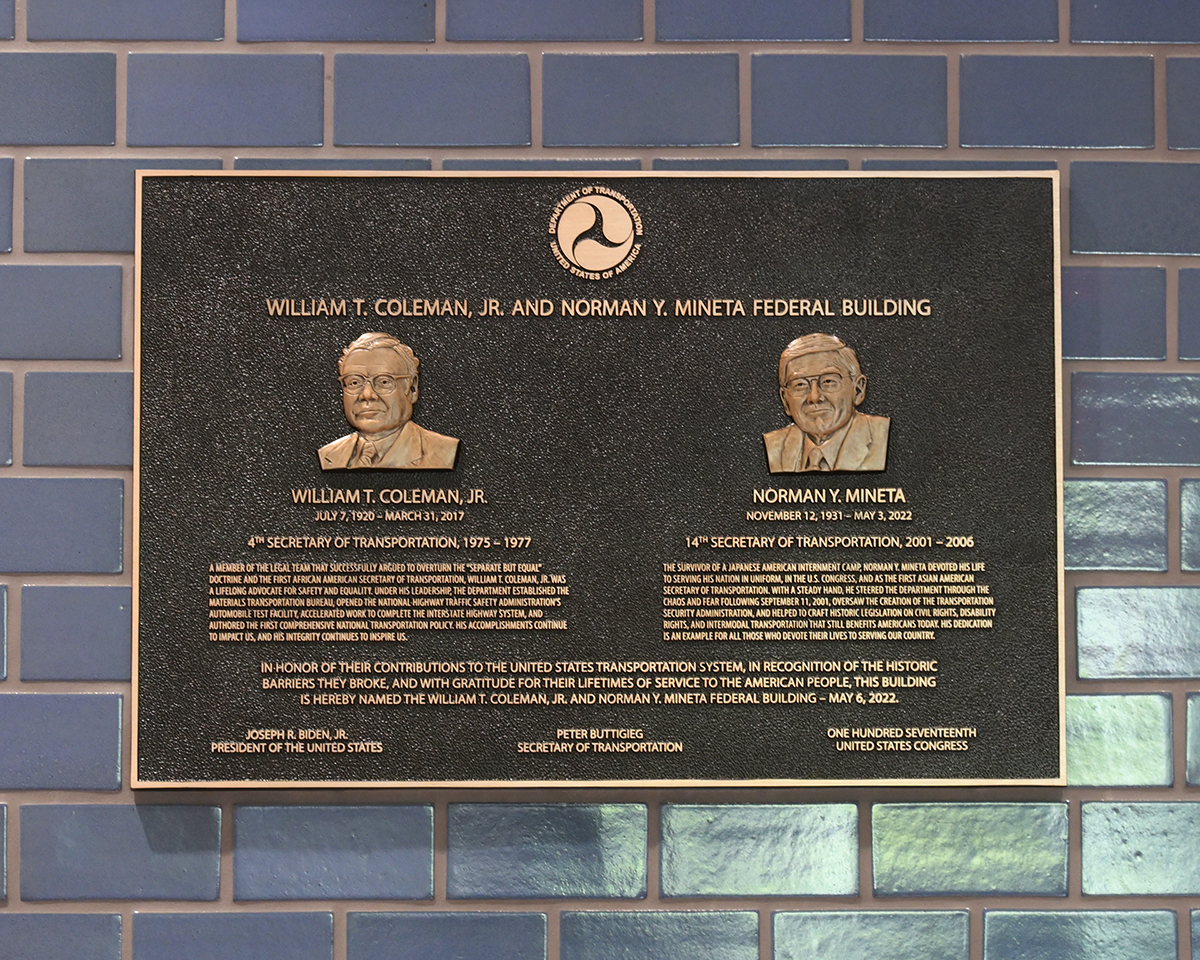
(597, 479)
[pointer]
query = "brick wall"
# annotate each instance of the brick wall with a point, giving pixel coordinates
(1107, 91)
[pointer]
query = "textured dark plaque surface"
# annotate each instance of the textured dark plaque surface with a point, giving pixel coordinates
(612, 576)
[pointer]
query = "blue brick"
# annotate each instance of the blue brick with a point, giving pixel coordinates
(431, 100)
(61, 525)
(1189, 503)
(75, 633)
(1189, 314)
(87, 205)
(848, 101)
(383, 163)
(58, 98)
(759, 850)
(1183, 103)
(1193, 739)
(1141, 848)
(1056, 101)
(1137, 632)
(7, 19)
(379, 21)
(1132, 418)
(546, 850)
(739, 163)
(1115, 524)
(889, 164)
(1135, 21)
(1119, 741)
(1113, 313)
(659, 935)
(60, 741)
(970, 848)
(125, 19)
(213, 100)
(446, 936)
(1135, 207)
(505, 163)
(544, 20)
(3, 852)
(675, 99)
(993, 20)
(60, 313)
(120, 852)
(220, 936)
(3, 632)
(64, 936)
(1094, 934)
(6, 204)
(334, 852)
(872, 935)
(6, 411)
(78, 419)
(752, 20)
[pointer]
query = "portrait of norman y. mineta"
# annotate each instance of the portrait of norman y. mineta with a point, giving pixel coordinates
(378, 375)
(822, 386)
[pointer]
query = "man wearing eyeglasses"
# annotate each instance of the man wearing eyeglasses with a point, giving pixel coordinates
(821, 385)
(378, 374)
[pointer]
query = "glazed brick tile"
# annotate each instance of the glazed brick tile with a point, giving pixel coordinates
(75, 633)
(890, 164)
(1136, 632)
(125, 19)
(333, 852)
(1056, 101)
(759, 850)
(3, 853)
(64, 936)
(1141, 848)
(1111, 313)
(7, 19)
(3, 632)
(84, 324)
(431, 100)
(277, 163)
(6, 204)
(6, 413)
(1135, 21)
(70, 525)
(1193, 739)
(119, 852)
(659, 935)
(1079, 934)
(58, 99)
(872, 935)
(377, 21)
(739, 163)
(514, 850)
(544, 20)
(1016, 848)
(1132, 418)
(1119, 741)
(218, 99)
(78, 419)
(848, 101)
(1189, 503)
(694, 100)
(1189, 314)
(220, 936)
(966, 20)
(1135, 207)
(752, 20)
(1115, 524)
(505, 163)
(446, 936)
(60, 741)
(87, 205)
(1183, 103)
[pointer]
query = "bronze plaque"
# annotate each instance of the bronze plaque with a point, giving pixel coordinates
(597, 479)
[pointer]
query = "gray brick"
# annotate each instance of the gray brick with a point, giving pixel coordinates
(60, 741)
(378, 21)
(6, 413)
(970, 848)
(3, 631)
(739, 163)
(1111, 313)
(446, 936)
(7, 19)
(546, 850)
(1119, 741)
(125, 19)
(1189, 314)
(279, 163)
(1183, 103)
(1137, 632)
(894, 164)
(1115, 524)
(752, 20)
(1135, 21)
(1193, 739)
(544, 20)
(58, 98)
(60, 313)
(659, 935)
(6, 204)
(872, 935)
(214, 100)
(1080, 934)
(61, 526)
(955, 20)
(1141, 848)
(221, 936)
(1135, 207)
(1189, 504)
(120, 852)
(505, 163)
(79, 419)
(1135, 418)
(759, 850)
(431, 100)
(848, 101)
(694, 99)
(3, 853)
(64, 936)
(75, 633)
(333, 852)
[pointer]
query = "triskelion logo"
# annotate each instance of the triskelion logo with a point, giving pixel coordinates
(595, 233)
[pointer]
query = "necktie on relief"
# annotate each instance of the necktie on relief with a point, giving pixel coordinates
(817, 461)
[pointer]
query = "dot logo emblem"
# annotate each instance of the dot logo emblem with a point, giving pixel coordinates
(595, 233)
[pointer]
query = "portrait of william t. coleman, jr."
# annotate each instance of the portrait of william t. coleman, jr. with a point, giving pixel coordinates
(378, 375)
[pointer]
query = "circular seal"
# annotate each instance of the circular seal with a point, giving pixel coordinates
(595, 233)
